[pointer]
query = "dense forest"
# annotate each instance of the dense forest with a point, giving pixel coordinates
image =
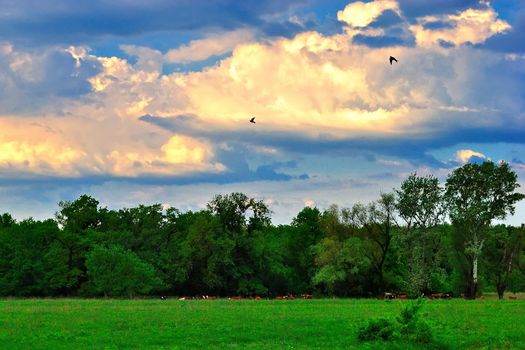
(420, 238)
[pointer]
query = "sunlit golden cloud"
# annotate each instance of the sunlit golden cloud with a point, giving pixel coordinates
(361, 14)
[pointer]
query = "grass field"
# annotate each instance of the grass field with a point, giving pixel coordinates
(222, 324)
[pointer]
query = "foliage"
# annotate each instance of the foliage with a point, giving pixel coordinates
(232, 248)
(420, 202)
(408, 326)
(115, 271)
(475, 196)
(411, 326)
(379, 329)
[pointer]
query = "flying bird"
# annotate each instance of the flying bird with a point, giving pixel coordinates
(252, 120)
(392, 59)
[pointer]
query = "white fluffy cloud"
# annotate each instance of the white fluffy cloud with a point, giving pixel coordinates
(470, 26)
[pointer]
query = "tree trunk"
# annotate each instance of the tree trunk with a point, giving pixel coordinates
(501, 289)
(474, 284)
(476, 251)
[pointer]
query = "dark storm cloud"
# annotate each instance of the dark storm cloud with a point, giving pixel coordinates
(34, 79)
(417, 8)
(73, 22)
(383, 41)
(415, 150)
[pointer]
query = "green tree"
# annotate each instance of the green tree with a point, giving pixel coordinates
(420, 204)
(300, 239)
(378, 220)
(240, 217)
(24, 263)
(115, 271)
(342, 266)
(234, 212)
(476, 195)
(502, 249)
(6, 220)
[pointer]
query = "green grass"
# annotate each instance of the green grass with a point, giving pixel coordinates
(221, 324)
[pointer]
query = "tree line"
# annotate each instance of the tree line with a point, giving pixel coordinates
(420, 238)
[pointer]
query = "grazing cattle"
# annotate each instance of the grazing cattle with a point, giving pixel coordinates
(257, 298)
(235, 298)
(512, 297)
(387, 295)
(211, 298)
(482, 298)
(291, 297)
(306, 296)
(184, 298)
(280, 297)
(402, 296)
(440, 296)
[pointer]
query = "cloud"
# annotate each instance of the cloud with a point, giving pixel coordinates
(35, 79)
(64, 22)
(215, 44)
(514, 39)
(361, 14)
(311, 94)
(418, 8)
(469, 26)
(468, 155)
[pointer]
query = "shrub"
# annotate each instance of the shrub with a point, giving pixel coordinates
(380, 329)
(408, 327)
(411, 327)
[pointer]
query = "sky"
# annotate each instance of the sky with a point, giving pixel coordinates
(142, 102)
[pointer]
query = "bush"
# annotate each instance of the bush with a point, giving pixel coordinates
(422, 333)
(380, 329)
(408, 327)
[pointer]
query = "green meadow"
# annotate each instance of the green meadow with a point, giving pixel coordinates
(248, 324)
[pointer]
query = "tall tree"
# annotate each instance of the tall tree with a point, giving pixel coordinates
(76, 219)
(237, 211)
(477, 194)
(421, 206)
(502, 251)
(378, 220)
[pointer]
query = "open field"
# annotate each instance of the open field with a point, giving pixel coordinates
(223, 324)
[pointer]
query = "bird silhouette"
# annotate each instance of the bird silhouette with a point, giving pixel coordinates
(392, 59)
(252, 120)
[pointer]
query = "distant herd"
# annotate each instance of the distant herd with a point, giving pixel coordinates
(386, 295)
(238, 297)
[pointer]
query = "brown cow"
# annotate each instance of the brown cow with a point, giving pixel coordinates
(306, 296)
(512, 297)
(388, 295)
(402, 296)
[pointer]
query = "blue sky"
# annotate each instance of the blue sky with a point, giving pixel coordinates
(139, 102)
